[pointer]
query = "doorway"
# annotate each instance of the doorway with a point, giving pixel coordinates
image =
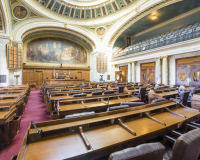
(39, 77)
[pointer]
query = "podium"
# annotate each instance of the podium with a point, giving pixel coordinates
(16, 76)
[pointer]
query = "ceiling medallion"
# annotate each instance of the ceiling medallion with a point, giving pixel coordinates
(101, 31)
(20, 12)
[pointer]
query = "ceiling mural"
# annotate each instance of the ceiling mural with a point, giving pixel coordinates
(79, 10)
(19, 12)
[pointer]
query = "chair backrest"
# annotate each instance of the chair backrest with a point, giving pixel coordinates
(109, 92)
(120, 89)
(106, 87)
(96, 93)
(142, 92)
(187, 146)
(132, 104)
(71, 77)
(95, 86)
(196, 91)
(184, 98)
(118, 107)
(148, 151)
(80, 95)
(87, 84)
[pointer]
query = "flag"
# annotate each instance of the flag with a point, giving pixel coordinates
(54, 72)
(69, 72)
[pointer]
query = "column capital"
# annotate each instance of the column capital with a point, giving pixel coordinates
(166, 56)
(134, 62)
(158, 58)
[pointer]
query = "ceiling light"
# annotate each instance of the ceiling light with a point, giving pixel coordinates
(154, 17)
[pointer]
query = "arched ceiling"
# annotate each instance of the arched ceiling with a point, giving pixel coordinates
(49, 31)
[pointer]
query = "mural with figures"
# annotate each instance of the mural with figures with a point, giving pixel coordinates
(56, 50)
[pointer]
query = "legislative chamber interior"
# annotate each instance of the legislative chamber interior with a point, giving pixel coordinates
(99, 80)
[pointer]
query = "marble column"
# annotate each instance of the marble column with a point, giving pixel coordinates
(129, 72)
(112, 72)
(165, 70)
(134, 72)
(158, 70)
(3, 64)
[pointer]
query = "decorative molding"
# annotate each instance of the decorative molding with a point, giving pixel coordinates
(4, 41)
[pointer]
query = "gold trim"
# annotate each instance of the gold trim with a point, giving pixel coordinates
(24, 56)
(16, 5)
(13, 3)
(166, 57)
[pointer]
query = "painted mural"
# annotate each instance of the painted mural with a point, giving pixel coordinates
(20, 12)
(101, 31)
(56, 50)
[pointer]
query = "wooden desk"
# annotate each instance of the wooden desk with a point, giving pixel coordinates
(64, 81)
(88, 104)
(162, 93)
(9, 125)
(9, 96)
(7, 102)
(102, 133)
(11, 91)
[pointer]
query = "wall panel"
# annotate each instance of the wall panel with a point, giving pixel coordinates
(34, 74)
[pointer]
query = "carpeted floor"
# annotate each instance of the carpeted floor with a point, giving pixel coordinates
(35, 110)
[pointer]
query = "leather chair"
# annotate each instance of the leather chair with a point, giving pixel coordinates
(95, 86)
(96, 93)
(141, 94)
(118, 107)
(183, 98)
(109, 92)
(132, 104)
(158, 100)
(80, 95)
(149, 151)
(186, 147)
(79, 114)
(87, 85)
(120, 89)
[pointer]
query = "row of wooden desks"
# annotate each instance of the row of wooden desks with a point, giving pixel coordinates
(98, 103)
(12, 106)
(97, 135)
